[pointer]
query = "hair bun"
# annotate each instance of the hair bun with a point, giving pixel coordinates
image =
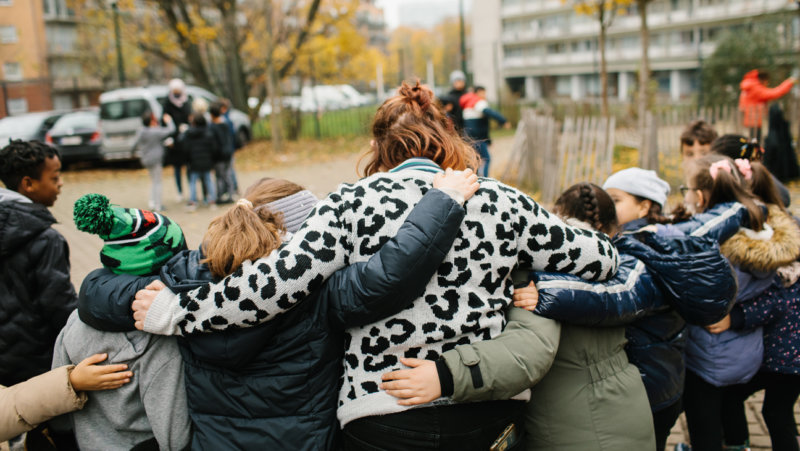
(418, 94)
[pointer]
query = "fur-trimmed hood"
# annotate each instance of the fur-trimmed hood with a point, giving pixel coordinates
(775, 246)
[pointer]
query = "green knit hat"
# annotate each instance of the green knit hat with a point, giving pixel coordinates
(137, 242)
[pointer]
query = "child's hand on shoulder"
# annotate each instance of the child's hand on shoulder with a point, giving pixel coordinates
(720, 327)
(419, 385)
(526, 297)
(89, 376)
(457, 183)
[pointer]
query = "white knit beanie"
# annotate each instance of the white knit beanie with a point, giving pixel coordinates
(457, 75)
(640, 182)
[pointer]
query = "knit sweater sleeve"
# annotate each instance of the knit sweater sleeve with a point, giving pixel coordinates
(545, 243)
(261, 289)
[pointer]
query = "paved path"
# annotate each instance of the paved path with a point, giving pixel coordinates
(129, 187)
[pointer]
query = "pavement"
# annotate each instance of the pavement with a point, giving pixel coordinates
(130, 188)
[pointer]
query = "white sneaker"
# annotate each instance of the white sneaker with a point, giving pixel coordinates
(179, 197)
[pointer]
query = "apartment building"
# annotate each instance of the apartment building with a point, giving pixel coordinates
(41, 68)
(544, 49)
(24, 81)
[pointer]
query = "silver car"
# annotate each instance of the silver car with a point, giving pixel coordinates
(121, 113)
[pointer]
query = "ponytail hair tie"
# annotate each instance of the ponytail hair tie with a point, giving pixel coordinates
(744, 167)
(245, 203)
(715, 167)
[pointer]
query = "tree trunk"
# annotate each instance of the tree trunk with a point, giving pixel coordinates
(603, 72)
(234, 69)
(644, 82)
(274, 100)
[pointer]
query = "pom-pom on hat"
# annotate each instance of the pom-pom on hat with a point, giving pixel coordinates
(640, 182)
(137, 242)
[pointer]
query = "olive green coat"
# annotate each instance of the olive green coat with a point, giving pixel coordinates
(591, 399)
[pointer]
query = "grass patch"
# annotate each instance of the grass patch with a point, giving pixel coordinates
(259, 155)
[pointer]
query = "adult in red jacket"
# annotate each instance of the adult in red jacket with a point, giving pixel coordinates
(754, 97)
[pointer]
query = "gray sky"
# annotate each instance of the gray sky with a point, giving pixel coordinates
(423, 13)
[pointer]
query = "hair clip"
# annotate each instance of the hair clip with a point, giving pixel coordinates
(744, 167)
(715, 167)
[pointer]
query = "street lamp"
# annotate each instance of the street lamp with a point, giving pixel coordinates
(120, 64)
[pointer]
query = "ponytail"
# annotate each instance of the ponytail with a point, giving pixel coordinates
(763, 186)
(244, 232)
(718, 178)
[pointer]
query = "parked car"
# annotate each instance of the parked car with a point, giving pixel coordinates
(121, 113)
(27, 126)
(77, 136)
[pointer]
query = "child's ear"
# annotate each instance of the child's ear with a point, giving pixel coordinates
(27, 185)
(644, 208)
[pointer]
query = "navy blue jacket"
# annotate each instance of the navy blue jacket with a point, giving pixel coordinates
(275, 386)
(778, 311)
(649, 294)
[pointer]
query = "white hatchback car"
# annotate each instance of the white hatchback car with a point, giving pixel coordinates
(121, 113)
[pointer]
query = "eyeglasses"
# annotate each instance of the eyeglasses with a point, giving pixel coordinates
(684, 189)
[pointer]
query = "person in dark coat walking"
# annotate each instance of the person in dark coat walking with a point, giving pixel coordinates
(178, 107)
(274, 386)
(201, 150)
(779, 154)
(458, 83)
(36, 295)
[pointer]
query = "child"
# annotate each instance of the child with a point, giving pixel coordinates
(149, 144)
(222, 166)
(765, 243)
(36, 295)
(777, 310)
(61, 390)
(641, 303)
(476, 113)
(737, 146)
(201, 150)
(274, 386)
(696, 139)
(151, 412)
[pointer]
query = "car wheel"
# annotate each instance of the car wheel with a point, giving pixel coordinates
(242, 136)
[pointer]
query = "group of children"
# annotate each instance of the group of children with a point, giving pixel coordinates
(638, 316)
(184, 137)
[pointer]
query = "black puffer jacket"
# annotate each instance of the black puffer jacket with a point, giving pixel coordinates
(200, 149)
(275, 386)
(36, 295)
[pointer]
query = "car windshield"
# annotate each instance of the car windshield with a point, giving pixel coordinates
(123, 109)
(22, 126)
(84, 119)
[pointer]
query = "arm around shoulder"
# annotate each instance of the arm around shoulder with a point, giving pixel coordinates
(508, 364)
(398, 273)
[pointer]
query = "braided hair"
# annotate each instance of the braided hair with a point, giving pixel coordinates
(20, 159)
(588, 202)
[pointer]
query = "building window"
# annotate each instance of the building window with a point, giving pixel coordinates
(17, 106)
(8, 34)
(12, 71)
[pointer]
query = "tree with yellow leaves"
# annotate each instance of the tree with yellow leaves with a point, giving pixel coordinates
(604, 11)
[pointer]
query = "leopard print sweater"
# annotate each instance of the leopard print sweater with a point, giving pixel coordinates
(462, 303)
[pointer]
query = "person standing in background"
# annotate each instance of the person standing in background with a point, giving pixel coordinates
(754, 97)
(178, 107)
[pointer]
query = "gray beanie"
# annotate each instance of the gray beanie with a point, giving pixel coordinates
(639, 182)
(457, 75)
(295, 208)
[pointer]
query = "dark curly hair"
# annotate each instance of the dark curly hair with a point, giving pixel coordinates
(589, 203)
(23, 158)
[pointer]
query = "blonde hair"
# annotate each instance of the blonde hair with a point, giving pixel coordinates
(247, 233)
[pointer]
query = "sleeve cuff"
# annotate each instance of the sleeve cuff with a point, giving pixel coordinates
(737, 318)
(445, 378)
(454, 194)
(160, 317)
